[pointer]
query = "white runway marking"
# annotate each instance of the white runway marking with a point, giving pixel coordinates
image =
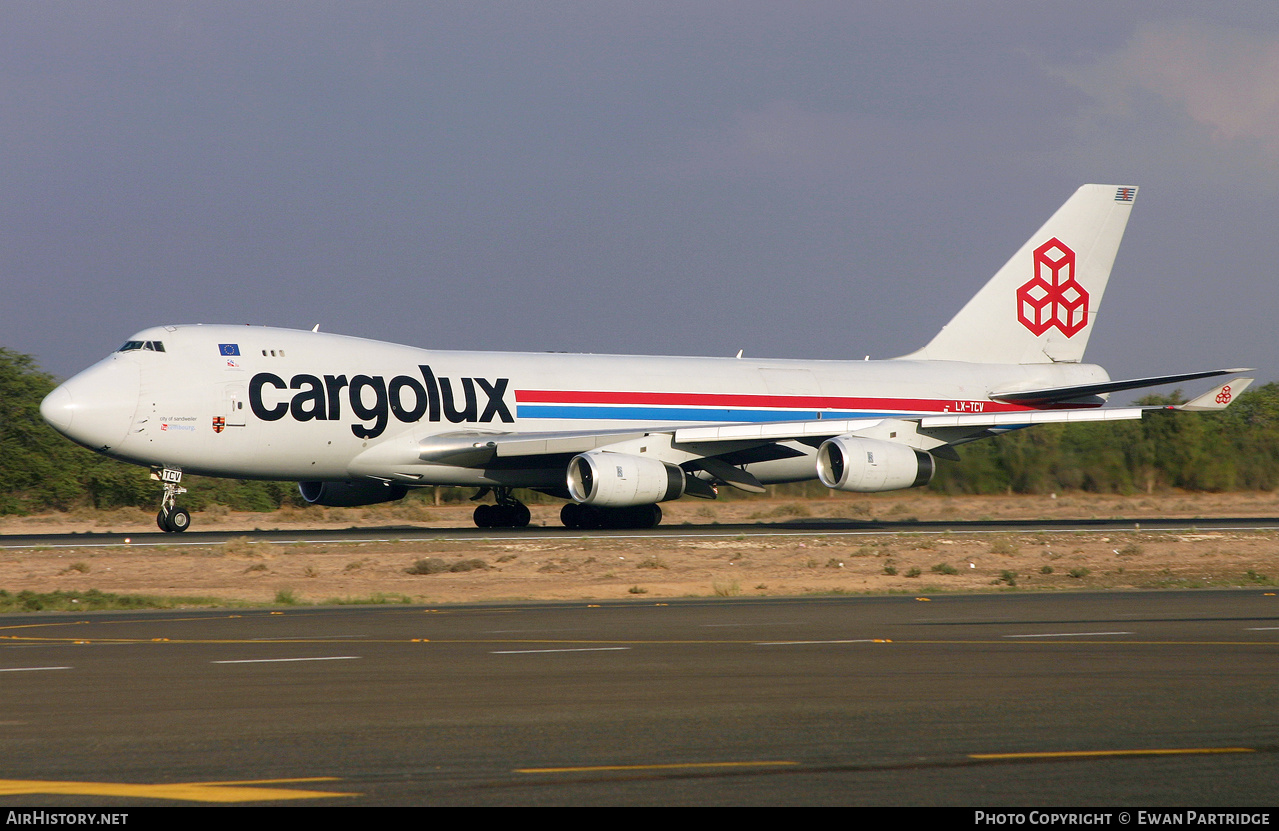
(1067, 634)
(289, 660)
(584, 649)
(30, 669)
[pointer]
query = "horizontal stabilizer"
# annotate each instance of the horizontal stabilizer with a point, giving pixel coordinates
(1055, 394)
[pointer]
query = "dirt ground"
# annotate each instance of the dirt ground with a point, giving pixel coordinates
(582, 568)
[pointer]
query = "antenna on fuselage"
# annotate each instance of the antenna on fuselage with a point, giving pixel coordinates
(315, 328)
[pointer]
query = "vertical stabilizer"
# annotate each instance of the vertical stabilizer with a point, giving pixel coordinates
(1041, 306)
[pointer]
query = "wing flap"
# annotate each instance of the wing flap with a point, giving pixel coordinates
(1026, 419)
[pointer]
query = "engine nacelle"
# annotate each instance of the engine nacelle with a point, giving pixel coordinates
(618, 480)
(349, 494)
(853, 463)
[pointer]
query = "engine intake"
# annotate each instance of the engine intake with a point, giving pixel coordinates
(349, 494)
(853, 463)
(618, 480)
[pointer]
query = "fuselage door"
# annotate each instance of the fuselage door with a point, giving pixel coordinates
(232, 408)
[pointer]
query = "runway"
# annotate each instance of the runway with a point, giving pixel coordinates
(799, 527)
(1137, 699)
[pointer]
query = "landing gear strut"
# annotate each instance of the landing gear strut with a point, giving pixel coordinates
(509, 512)
(172, 519)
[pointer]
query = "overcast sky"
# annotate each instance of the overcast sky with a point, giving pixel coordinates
(821, 180)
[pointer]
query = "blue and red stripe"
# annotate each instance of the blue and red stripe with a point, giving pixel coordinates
(716, 407)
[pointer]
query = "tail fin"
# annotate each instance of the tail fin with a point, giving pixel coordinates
(1041, 306)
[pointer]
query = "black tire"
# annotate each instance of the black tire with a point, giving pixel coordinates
(519, 515)
(179, 520)
(162, 520)
(571, 515)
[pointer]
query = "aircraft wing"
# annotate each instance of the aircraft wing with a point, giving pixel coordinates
(718, 448)
(1053, 395)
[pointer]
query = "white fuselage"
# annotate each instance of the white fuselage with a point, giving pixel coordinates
(256, 402)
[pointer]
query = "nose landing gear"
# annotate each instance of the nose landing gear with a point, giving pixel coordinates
(172, 519)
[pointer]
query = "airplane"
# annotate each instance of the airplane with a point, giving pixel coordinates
(359, 422)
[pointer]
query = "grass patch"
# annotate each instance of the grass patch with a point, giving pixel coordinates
(1003, 546)
(438, 565)
(429, 565)
(94, 601)
(375, 599)
(730, 589)
(243, 547)
(286, 597)
(790, 509)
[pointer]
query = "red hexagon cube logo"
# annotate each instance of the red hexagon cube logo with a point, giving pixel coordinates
(1053, 297)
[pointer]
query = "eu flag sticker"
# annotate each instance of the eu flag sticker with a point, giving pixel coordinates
(229, 348)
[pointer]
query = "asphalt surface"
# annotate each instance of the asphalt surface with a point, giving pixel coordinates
(1141, 699)
(413, 533)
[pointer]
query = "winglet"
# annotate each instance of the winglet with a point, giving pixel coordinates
(1218, 398)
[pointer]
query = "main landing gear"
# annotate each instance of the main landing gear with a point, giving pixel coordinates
(590, 517)
(509, 512)
(172, 519)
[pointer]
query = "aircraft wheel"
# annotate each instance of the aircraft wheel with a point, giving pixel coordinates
(571, 515)
(592, 517)
(502, 515)
(173, 522)
(484, 516)
(179, 520)
(519, 515)
(585, 517)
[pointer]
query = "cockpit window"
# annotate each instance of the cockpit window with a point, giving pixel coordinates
(148, 345)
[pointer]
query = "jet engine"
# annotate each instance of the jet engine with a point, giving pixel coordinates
(853, 463)
(618, 480)
(350, 494)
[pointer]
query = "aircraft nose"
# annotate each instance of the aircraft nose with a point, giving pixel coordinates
(96, 407)
(57, 409)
